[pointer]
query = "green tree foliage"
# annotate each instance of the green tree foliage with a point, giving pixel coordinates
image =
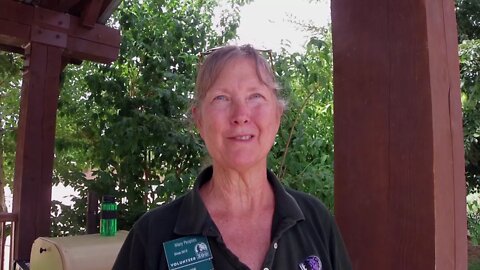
(470, 85)
(128, 122)
(303, 153)
(10, 82)
(468, 19)
(10, 79)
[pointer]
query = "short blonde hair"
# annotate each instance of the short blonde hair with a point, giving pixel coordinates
(215, 61)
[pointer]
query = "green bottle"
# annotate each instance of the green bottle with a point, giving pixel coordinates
(108, 219)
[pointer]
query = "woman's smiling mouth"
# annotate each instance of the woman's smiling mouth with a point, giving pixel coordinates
(242, 137)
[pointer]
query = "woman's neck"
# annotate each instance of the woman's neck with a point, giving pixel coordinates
(237, 193)
(241, 205)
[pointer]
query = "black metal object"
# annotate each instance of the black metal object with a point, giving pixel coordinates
(21, 265)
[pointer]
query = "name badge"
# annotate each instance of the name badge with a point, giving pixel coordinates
(188, 253)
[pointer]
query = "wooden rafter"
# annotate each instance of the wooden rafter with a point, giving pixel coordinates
(20, 24)
(91, 12)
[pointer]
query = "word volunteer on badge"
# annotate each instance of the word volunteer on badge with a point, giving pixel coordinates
(188, 253)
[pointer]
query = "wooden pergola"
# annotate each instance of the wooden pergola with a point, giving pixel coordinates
(50, 34)
(399, 165)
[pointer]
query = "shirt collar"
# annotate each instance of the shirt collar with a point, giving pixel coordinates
(194, 219)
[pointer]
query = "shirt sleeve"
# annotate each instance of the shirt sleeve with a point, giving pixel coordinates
(132, 253)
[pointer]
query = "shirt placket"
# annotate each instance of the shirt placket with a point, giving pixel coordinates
(283, 228)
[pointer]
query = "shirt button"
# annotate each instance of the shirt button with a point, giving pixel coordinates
(275, 245)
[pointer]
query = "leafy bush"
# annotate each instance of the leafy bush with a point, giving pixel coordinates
(474, 265)
(470, 83)
(303, 153)
(473, 217)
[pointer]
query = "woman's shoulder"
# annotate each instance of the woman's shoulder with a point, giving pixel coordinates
(160, 218)
(164, 210)
(309, 204)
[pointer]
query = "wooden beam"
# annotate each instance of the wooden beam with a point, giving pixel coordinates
(100, 34)
(48, 37)
(449, 168)
(7, 217)
(15, 32)
(51, 19)
(35, 144)
(90, 13)
(93, 219)
(81, 49)
(399, 167)
(12, 33)
(109, 6)
(13, 49)
(49, 4)
(66, 5)
(99, 43)
(16, 12)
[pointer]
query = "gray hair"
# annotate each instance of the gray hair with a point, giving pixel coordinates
(215, 61)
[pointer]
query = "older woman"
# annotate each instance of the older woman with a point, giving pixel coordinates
(238, 215)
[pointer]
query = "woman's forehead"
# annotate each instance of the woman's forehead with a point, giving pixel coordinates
(240, 72)
(237, 67)
(244, 66)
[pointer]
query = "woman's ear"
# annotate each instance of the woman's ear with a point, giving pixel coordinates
(196, 117)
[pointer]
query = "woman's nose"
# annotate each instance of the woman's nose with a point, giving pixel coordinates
(240, 114)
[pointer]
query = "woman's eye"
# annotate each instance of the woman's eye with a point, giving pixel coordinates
(220, 98)
(256, 95)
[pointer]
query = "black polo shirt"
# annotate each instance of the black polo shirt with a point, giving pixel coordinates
(302, 229)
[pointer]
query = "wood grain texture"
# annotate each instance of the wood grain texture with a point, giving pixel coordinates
(35, 144)
(399, 185)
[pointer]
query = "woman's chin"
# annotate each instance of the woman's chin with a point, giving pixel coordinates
(241, 164)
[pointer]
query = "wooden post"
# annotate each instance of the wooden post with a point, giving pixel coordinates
(52, 38)
(399, 167)
(92, 212)
(35, 144)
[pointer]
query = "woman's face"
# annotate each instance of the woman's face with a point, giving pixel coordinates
(238, 117)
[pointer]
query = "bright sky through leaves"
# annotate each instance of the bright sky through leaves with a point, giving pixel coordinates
(267, 23)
